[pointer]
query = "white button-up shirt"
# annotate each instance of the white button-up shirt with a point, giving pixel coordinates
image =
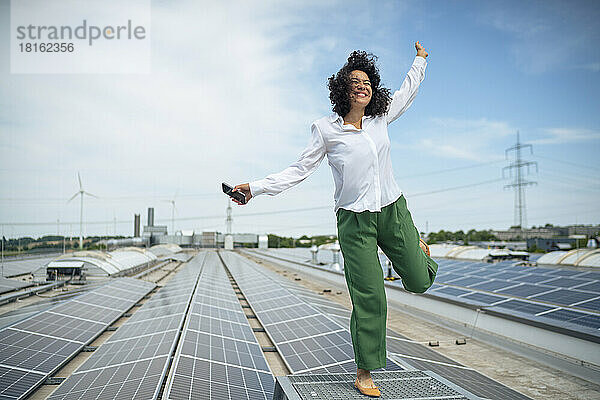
(359, 158)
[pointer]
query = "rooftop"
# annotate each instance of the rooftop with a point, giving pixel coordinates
(227, 323)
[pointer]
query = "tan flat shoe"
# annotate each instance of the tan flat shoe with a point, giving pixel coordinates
(424, 246)
(373, 392)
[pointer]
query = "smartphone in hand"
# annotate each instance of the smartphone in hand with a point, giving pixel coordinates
(228, 190)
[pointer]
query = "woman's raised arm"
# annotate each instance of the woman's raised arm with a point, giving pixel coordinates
(403, 97)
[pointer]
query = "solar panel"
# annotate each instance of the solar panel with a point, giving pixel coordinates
(590, 287)
(25, 266)
(316, 351)
(226, 350)
(127, 381)
(565, 282)
(219, 356)
(507, 275)
(279, 302)
(482, 273)
(447, 277)
(494, 285)
(592, 321)
(132, 363)
(104, 300)
(42, 343)
(301, 348)
(94, 313)
(402, 346)
(288, 313)
(16, 384)
(310, 326)
(202, 379)
(590, 305)
(483, 298)
(526, 290)
(157, 310)
(220, 313)
(32, 352)
(524, 307)
(451, 291)
(467, 281)
(590, 275)
(566, 296)
(70, 328)
(533, 278)
(8, 285)
(564, 272)
(234, 330)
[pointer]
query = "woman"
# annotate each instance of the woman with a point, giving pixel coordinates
(370, 208)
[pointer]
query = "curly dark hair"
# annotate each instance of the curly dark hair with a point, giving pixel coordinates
(339, 85)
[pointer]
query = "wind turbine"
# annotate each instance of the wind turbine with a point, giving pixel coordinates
(81, 192)
(173, 212)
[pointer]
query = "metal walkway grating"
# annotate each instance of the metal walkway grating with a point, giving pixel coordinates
(395, 385)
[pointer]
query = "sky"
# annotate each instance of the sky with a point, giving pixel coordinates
(234, 86)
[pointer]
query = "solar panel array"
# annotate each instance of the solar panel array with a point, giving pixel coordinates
(8, 285)
(25, 266)
(562, 297)
(36, 347)
(218, 356)
(307, 340)
(10, 317)
(566, 298)
(413, 355)
(132, 364)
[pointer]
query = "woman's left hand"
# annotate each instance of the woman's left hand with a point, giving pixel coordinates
(244, 188)
(421, 50)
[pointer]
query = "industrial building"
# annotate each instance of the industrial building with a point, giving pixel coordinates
(548, 232)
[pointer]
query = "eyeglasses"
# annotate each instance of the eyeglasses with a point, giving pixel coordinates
(356, 82)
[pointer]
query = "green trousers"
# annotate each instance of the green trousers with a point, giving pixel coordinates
(359, 234)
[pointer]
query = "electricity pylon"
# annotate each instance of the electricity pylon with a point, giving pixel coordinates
(519, 182)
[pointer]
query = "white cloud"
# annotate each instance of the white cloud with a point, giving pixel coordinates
(566, 135)
(227, 100)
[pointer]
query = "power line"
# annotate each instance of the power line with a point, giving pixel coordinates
(218, 216)
(440, 171)
(586, 167)
(457, 187)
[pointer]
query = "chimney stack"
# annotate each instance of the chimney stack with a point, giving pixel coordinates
(136, 225)
(150, 216)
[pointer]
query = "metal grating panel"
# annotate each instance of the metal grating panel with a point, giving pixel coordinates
(393, 385)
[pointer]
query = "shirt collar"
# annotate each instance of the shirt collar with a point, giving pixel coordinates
(336, 118)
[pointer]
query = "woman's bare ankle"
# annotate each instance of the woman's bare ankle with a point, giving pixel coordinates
(363, 373)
